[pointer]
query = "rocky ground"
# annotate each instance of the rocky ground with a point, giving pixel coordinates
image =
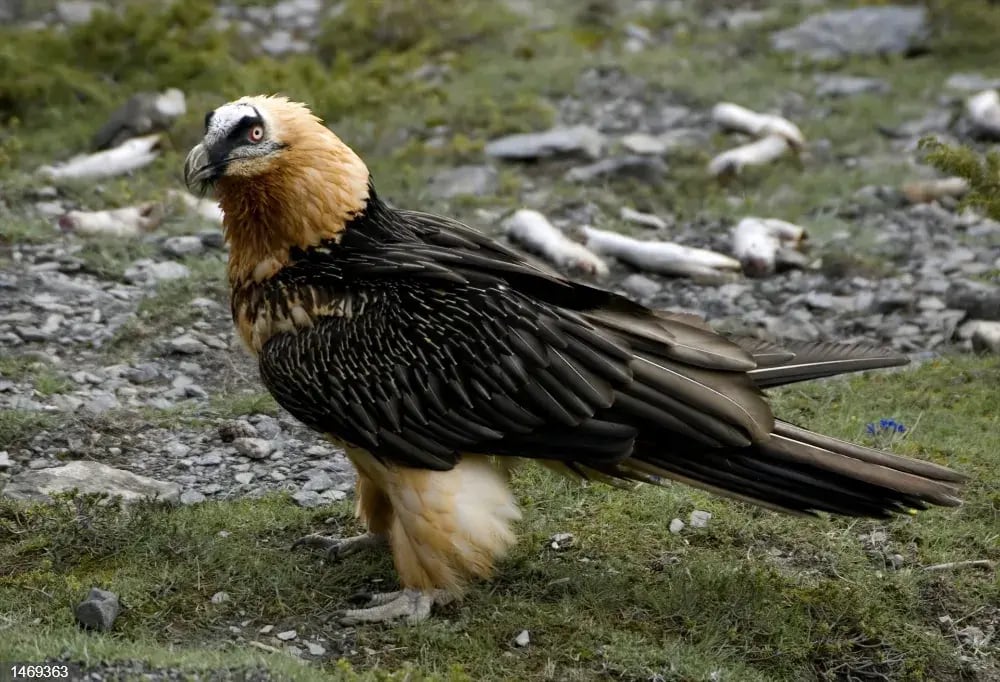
(121, 352)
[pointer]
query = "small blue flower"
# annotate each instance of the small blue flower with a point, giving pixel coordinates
(885, 426)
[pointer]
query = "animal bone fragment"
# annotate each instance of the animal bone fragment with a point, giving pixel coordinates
(735, 117)
(206, 208)
(758, 242)
(983, 110)
(757, 153)
(535, 233)
(666, 258)
(126, 157)
(129, 221)
(924, 191)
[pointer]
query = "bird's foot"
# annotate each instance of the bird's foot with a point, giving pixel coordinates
(413, 605)
(338, 548)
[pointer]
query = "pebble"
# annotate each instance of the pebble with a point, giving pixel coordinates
(220, 597)
(186, 344)
(315, 649)
(474, 181)
(648, 168)
(254, 448)
(699, 518)
(523, 638)
(244, 478)
(884, 30)
(641, 286)
(561, 541)
(574, 141)
(185, 245)
(150, 273)
(318, 483)
(88, 477)
(641, 143)
(287, 635)
(308, 499)
(676, 526)
(99, 610)
(266, 630)
(5, 461)
(192, 497)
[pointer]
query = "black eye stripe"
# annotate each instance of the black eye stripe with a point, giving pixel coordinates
(245, 124)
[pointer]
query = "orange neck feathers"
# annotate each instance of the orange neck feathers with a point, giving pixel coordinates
(309, 192)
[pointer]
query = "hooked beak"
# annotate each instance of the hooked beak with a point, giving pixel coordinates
(199, 171)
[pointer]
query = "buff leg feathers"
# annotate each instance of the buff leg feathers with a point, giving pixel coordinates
(444, 528)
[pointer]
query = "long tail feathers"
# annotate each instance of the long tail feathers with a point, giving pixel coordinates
(795, 470)
(797, 361)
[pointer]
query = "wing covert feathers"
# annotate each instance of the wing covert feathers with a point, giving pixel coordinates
(426, 340)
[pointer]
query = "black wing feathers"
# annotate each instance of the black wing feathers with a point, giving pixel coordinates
(454, 343)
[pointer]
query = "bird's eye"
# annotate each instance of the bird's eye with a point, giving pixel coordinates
(256, 134)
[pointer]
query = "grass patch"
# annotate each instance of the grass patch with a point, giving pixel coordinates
(755, 596)
(17, 427)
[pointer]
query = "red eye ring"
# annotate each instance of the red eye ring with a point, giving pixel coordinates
(256, 134)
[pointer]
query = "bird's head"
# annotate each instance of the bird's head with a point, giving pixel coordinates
(282, 178)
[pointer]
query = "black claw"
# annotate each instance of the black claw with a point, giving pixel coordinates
(361, 597)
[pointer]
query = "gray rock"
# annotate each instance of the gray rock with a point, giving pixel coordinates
(281, 42)
(186, 344)
(561, 541)
(73, 12)
(649, 168)
(699, 518)
(833, 85)
(575, 141)
(184, 245)
(287, 635)
(99, 610)
(986, 337)
(474, 181)
(244, 478)
(971, 82)
(142, 373)
(209, 459)
(308, 499)
(88, 477)
(676, 526)
(192, 497)
(266, 426)
(979, 299)
(641, 287)
(523, 638)
(641, 143)
(319, 483)
(5, 461)
(176, 449)
(315, 649)
(254, 448)
(887, 30)
(150, 273)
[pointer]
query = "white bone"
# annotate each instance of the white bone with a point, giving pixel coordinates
(126, 157)
(735, 117)
(533, 231)
(757, 153)
(757, 242)
(666, 258)
(119, 222)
